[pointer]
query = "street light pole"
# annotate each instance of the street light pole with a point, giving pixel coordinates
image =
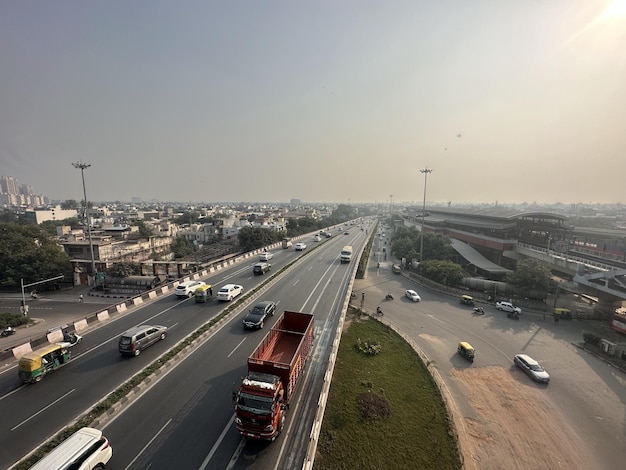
(82, 166)
(425, 171)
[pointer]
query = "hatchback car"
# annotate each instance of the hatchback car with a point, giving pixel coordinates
(229, 292)
(532, 368)
(256, 317)
(414, 296)
(300, 246)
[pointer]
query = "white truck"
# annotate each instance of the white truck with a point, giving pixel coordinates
(346, 254)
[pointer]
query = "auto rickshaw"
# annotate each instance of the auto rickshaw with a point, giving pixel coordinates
(35, 365)
(467, 300)
(203, 293)
(560, 313)
(466, 350)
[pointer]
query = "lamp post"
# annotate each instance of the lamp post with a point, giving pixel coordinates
(425, 171)
(82, 166)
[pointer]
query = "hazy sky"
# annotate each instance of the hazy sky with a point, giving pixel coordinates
(342, 100)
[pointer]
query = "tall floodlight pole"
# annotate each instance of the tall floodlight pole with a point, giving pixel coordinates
(82, 167)
(425, 171)
(390, 204)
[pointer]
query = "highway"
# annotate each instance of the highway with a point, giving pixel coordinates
(199, 389)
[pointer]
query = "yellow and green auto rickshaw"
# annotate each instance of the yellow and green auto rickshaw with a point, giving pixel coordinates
(35, 365)
(565, 313)
(203, 293)
(466, 350)
(467, 300)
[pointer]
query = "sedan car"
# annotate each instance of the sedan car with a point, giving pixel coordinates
(299, 246)
(414, 296)
(256, 317)
(229, 292)
(532, 368)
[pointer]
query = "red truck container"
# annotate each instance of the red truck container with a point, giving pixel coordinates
(273, 371)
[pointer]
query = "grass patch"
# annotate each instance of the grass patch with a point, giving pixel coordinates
(384, 410)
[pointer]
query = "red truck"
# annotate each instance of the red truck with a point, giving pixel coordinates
(273, 371)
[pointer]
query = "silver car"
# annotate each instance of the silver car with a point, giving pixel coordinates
(532, 368)
(135, 340)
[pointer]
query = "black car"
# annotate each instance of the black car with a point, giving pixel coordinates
(256, 317)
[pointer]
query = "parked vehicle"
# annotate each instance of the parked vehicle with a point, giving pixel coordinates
(508, 307)
(203, 293)
(466, 350)
(532, 368)
(35, 365)
(346, 254)
(86, 449)
(229, 292)
(187, 289)
(286, 243)
(467, 300)
(273, 372)
(411, 294)
(256, 317)
(138, 338)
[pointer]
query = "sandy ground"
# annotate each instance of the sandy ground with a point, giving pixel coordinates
(514, 428)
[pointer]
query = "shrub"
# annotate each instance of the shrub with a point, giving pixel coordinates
(368, 347)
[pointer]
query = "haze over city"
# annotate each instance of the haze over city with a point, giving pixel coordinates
(506, 101)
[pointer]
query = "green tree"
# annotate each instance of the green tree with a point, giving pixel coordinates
(124, 269)
(27, 252)
(70, 204)
(530, 274)
(144, 229)
(182, 247)
(251, 238)
(187, 217)
(50, 226)
(442, 271)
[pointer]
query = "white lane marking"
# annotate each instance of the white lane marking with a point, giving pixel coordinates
(43, 409)
(236, 347)
(209, 456)
(148, 444)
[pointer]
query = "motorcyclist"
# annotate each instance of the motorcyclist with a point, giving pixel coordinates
(379, 310)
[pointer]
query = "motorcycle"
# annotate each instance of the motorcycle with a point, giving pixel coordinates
(72, 338)
(479, 311)
(8, 331)
(389, 296)
(379, 311)
(513, 315)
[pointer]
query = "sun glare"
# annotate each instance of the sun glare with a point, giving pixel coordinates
(615, 11)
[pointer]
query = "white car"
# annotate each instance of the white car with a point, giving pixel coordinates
(229, 292)
(265, 256)
(187, 289)
(317, 238)
(299, 246)
(508, 307)
(411, 294)
(532, 368)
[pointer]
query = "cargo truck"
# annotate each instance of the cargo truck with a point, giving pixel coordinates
(273, 372)
(346, 254)
(287, 243)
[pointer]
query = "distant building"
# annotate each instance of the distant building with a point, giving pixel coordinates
(41, 215)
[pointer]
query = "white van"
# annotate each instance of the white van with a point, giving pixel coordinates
(87, 448)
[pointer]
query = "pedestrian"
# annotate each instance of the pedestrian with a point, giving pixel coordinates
(556, 319)
(363, 296)
(211, 291)
(80, 298)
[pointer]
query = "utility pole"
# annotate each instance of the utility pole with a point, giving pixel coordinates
(425, 171)
(82, 167)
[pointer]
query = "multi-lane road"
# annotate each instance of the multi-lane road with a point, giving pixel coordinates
(185, 419)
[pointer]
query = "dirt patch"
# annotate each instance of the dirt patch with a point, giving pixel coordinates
(515, 427)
